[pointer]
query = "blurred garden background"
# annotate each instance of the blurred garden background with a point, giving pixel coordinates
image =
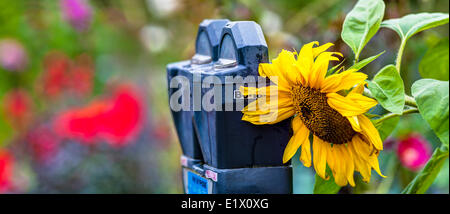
(83, 92)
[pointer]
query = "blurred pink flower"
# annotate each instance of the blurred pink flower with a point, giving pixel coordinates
(13, 56)
(6, 171)
(414, 152)
(43, 142)
(77, 12)
(116, 120)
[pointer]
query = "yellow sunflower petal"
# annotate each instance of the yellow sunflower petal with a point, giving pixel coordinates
(330, 83)
(355, 123)
(360, 164)
(332, 160)
(370, 132)
(306, 54)
(361, 148)
(350, 166)
(373, 161)
(285, 63)
(305, 61)
(366, 152)
(273, 73)
(269, 118)
(350, 80)
(347, 79)
(305, 156)
(320, 149)
(320, 68)
(320, 49)
(346, 107)
(300, 136)
(341, 166)
(359, 88)
(265, 105)
(274, 89)
(363, 101)
(303, 74)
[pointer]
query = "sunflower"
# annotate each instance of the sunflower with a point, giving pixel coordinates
(330, 107)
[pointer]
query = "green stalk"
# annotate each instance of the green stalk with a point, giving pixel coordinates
(410, 101)
(399, 55)
(391, 115)
(356, 59)
(423, 180)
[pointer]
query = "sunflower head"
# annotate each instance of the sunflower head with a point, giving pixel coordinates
(330, 107)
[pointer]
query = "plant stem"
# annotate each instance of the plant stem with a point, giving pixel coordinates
(391, 115)
(399, 55)
(428, 174)
(410, 101)
(356, 59)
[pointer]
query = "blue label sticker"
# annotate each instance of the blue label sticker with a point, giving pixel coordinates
(196, 184)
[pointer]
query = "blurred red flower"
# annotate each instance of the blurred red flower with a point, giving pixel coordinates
(81, 123)
(414, 152)
(117, 120)
(43, 142)
(61, 74)
(55, 77)
(17, 106)
(6, 171)
(121, 123)
(81, 75)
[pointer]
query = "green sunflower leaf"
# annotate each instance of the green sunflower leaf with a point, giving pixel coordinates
(432, 101)
(434, 64)
(361, 24)
(364, 62)
(411, 24)
(335, 69)
(386, 127)
(387, 88)
(322, 186)
(426, 177)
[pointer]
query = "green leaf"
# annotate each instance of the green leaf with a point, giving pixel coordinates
(411, 24)
(434, 64)
(432, 101)
(361, 24)
(427, 175)
(386, 127)
(364, 62)
(387, 88)
(335, 69)
(6, 132)
(322, 186)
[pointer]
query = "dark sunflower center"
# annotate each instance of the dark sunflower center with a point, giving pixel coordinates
(322, 120)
